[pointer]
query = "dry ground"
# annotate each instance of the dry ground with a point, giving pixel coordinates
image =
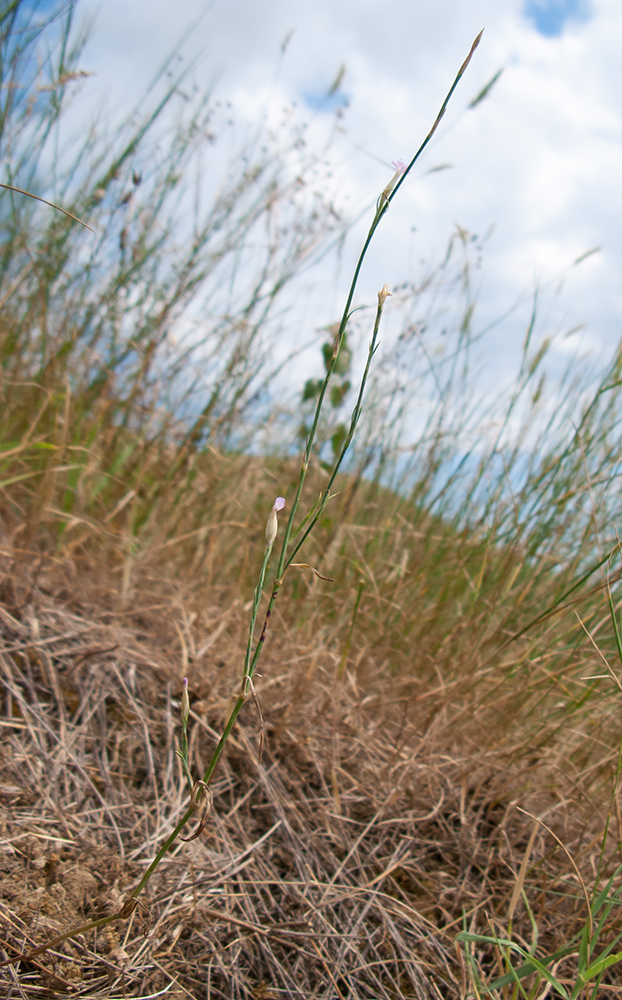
(341, 865)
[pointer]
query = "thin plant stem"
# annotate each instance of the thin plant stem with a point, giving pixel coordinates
(29, 194)
(283, 562)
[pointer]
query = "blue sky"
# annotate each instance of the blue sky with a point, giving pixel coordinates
(551, 17)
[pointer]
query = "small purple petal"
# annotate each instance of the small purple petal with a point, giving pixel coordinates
(279, 503)
(185, 682)
(398, 166)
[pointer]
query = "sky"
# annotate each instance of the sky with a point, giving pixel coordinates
(536, 165)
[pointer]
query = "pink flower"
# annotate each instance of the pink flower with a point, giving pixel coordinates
(399, 168)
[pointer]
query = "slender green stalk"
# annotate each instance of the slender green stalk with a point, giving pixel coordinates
(284, 560)
(356, 415)
(382, 206)
(248, 665)
(166, 846)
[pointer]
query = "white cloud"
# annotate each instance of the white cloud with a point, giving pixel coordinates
(540, 157)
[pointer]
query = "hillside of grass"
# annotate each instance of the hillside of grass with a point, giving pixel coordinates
(419, 797)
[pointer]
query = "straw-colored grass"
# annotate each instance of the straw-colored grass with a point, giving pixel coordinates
(382, 815)
(454, 678)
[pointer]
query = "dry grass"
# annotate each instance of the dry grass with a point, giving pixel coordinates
(416, 707)
(382, 815)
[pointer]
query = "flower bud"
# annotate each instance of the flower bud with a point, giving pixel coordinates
(273, 525)
(399, 168)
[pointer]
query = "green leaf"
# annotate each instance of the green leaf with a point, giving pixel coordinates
(529, 968)
(327, 351)
(584, 949)
(603, 895)
(312, 389)
(484, 92)
(308, 516)
(600, 966)
(20, 478)
(338, 393)
(338, 438)
(124, 456)
(534, 964)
